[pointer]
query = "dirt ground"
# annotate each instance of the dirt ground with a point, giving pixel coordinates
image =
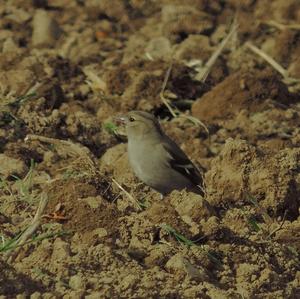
(67, 68)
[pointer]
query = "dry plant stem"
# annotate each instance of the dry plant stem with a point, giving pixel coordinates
(282, 26)
(134, 201)
(67, 46)
(164, 100)
(73, 149)
(33, 225)
(279, 227)
(35, 221)
(172, 111)
(202, 75)
(268, 59)
(34, 88)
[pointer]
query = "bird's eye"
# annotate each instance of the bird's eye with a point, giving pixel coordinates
(131, 119)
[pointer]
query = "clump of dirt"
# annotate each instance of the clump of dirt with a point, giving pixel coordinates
(247, 91)
(69, 67)
(272, 180)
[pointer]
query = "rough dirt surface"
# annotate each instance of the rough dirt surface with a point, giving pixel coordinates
(68, 67)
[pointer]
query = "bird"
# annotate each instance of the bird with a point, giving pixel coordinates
(156, 159)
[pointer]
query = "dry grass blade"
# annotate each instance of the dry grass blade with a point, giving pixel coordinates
(195, 121)
(30, 230)
(95, 82)
(282, 26)
(163, 88)
(78, 151)
(279, 227)
(36, 220)
(132, 199)
(34, 88)
(67, 46)
(268, 59)
(262, 211)
(174, 112)
(284, 73)
(202, 75)
(72, 148)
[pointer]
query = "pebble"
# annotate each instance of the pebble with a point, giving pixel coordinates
(45, 29)
(77, 282)
(11, 166)
(95, 295)
(158, 48)
(36, 295)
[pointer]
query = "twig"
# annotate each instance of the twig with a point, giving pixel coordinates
(202, 75)
(132, 199)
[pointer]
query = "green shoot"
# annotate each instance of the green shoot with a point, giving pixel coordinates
(143, 203)
(22, 99)
(110, 127)
(261, 210)
(251, 221)
(12, 244)
(180, 238)
(185, 241)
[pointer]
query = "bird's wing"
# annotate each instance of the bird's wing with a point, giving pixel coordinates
(180, 162)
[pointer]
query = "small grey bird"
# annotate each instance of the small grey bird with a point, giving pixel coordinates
(156, 159)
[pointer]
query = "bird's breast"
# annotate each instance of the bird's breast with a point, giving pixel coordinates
(144, 159)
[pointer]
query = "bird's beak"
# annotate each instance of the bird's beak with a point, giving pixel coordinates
(120, 120)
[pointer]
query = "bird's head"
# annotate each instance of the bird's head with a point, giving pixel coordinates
(139, 124)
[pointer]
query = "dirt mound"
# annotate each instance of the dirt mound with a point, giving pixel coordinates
(248, 90)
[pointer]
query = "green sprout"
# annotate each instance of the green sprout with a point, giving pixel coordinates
(12, 243)
(187, 242)
(110, 127)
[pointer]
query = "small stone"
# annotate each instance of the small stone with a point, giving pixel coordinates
(74, 295)
(61, 251)
(9, 46)
(94, 295)
(128, 282)
(159, 47)
(36, 295)
(93, 202)
(100, 232)
(11, 166)
(77, 282)
(45, 30)
(182, 267)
